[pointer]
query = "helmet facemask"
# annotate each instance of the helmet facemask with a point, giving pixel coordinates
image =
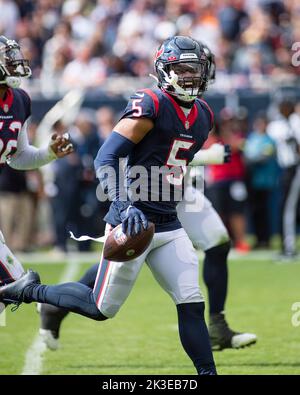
(185, 80)
(13, 66)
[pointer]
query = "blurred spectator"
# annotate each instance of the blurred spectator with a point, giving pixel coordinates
(63, 195)
(226, 183)
(87, 144)
(233, 19)
(58, 51)
(260, 154)
(16, 209)
(85, 71)
(286, 133)
(74, 203)
(19, 195)
(105, 122)
(9, 16)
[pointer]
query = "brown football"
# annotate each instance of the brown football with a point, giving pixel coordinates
(120, 247)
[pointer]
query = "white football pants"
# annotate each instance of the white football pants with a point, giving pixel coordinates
(10, 268)
(204, 225)
(173, 262)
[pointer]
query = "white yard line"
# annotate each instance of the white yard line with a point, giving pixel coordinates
(34, 356)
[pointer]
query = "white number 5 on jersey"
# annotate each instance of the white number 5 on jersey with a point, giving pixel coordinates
(173, 161)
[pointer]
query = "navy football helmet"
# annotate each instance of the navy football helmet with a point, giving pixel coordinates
(182, 67)
(12, 63)
(212, 63)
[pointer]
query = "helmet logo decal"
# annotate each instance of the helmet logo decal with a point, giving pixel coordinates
(159, 52)
(172, 58)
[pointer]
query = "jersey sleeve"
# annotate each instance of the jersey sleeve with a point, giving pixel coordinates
(142, 104)
(27, 102)
(28, 157)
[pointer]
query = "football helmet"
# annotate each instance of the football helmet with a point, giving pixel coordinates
(212, 64)
(13, 66)
(182, 67)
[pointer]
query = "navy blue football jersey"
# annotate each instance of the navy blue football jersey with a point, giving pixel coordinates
(15, 109)
(165, 150)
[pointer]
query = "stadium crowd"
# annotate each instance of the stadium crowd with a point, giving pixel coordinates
(84, 42)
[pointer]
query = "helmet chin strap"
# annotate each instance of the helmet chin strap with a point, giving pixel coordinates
(13, 82)
(172, 80)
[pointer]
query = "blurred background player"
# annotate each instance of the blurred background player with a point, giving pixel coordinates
(226, 183)
(15, 110)
(262, 169)
(207, 233)
(285, 131)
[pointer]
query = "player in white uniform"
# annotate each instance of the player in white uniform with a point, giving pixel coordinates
(15, 150)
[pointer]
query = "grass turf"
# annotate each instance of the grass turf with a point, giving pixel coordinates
(143, 338)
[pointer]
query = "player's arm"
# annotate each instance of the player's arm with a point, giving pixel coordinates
(216, 154)
(28, 157)
(137, 120)
(127, 133)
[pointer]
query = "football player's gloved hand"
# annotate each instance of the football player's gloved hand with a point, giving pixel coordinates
(133, 220)
(61, 145)
(227, 153)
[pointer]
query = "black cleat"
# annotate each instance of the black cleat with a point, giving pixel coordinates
(221, 336)
(13, 293)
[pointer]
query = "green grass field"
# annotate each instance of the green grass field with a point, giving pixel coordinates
(143, 338)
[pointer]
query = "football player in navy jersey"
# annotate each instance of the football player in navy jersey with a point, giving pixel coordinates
(15, 110)
(160, 129)
(207, 233)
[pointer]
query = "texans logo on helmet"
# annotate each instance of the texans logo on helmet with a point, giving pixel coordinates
(159, 52)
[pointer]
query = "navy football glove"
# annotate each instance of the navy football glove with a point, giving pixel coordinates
(133, 220)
